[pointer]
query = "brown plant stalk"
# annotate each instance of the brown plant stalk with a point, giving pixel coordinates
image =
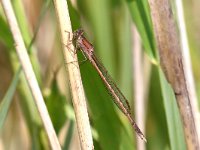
(172, 65)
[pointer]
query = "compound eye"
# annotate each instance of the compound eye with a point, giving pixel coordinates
(80, 31)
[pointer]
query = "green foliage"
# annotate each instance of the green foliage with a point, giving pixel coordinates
(5, 35)
(5, 104)
(56, 103)
(173, 118)
(139, 11)
(107, 24)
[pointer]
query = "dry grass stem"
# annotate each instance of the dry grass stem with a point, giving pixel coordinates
(79, 100)
(29, 74)
(172, 65)
(138, 86)
(187, 63)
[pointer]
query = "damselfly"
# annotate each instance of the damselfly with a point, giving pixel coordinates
(88, 50)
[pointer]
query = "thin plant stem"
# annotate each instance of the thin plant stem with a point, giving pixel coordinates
(138, 85)
(187, 63)
(29, 74)
(78, 95)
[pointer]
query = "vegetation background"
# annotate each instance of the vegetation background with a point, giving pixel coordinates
(111, 26)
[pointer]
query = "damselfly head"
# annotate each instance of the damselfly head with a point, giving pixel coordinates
(78, 33)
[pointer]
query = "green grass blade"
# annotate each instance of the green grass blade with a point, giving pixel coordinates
(56, 103)
(5, 35)
(174, 124)
(5, 104)
(69, 135)
(140, 14)
(27, 36)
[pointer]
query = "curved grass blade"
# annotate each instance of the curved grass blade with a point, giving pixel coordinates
(139, 12)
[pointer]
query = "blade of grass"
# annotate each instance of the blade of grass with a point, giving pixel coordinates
(139, 11)
(69, 135)
(5, 103)
(5, 35)
(174, 124)
(27, 36)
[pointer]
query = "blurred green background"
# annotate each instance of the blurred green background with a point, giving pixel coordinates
(108, 24)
